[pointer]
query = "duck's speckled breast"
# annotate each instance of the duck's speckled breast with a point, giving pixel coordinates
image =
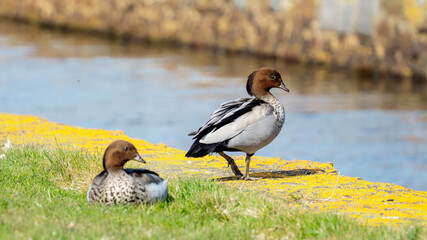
(116, 187)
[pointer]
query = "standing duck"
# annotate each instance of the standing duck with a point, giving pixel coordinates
(245, 124)
(118, 185)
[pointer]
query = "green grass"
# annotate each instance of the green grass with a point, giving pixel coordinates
(43, 196)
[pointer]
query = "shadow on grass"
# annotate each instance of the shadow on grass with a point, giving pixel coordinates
(274, 174)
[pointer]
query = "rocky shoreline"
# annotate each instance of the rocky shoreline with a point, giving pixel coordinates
(317, 186)
(378, 37)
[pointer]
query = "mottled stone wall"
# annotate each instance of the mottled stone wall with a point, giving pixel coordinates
(386, 36)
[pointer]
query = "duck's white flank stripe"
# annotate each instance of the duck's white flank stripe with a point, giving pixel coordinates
(88, 192)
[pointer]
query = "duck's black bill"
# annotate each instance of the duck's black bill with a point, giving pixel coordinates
(139, 159)
(283, 87)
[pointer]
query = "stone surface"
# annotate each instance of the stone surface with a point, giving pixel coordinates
(305, 184)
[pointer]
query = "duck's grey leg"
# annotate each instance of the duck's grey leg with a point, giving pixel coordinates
(248, 161)
(231, 163)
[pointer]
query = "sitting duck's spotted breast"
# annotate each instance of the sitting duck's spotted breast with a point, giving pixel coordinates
(117, 185)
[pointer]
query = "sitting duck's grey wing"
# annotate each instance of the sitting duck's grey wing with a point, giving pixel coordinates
(148, 184)
(144, 175)
(100, 178)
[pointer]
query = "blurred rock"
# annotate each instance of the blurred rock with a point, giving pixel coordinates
(374, 36)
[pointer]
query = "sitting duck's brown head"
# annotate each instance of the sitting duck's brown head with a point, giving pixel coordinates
(118, 153)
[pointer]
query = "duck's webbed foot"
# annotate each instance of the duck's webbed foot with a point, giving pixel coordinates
(248, 178)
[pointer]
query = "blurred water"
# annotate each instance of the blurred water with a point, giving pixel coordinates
(371, 128)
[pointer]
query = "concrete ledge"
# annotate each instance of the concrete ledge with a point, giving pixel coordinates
(305, 184)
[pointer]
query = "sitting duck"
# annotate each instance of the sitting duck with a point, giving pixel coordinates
(245, 124)
(117, 185)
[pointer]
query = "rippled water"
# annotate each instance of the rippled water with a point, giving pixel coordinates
(371, 128)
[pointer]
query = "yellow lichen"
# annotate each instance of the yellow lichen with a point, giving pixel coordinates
(414, 12)
(306, 184)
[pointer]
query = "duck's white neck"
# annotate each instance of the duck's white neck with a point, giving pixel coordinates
(278, 108)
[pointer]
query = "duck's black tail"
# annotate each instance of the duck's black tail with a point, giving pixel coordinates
(200, 149)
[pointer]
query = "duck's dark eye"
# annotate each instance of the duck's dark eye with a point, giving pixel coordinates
(273, 77)
(125, 148)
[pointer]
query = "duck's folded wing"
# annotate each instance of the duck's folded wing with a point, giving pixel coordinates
(144, 175)
(100, 178)
(153, 185)
(231, 119)
(223, 109)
